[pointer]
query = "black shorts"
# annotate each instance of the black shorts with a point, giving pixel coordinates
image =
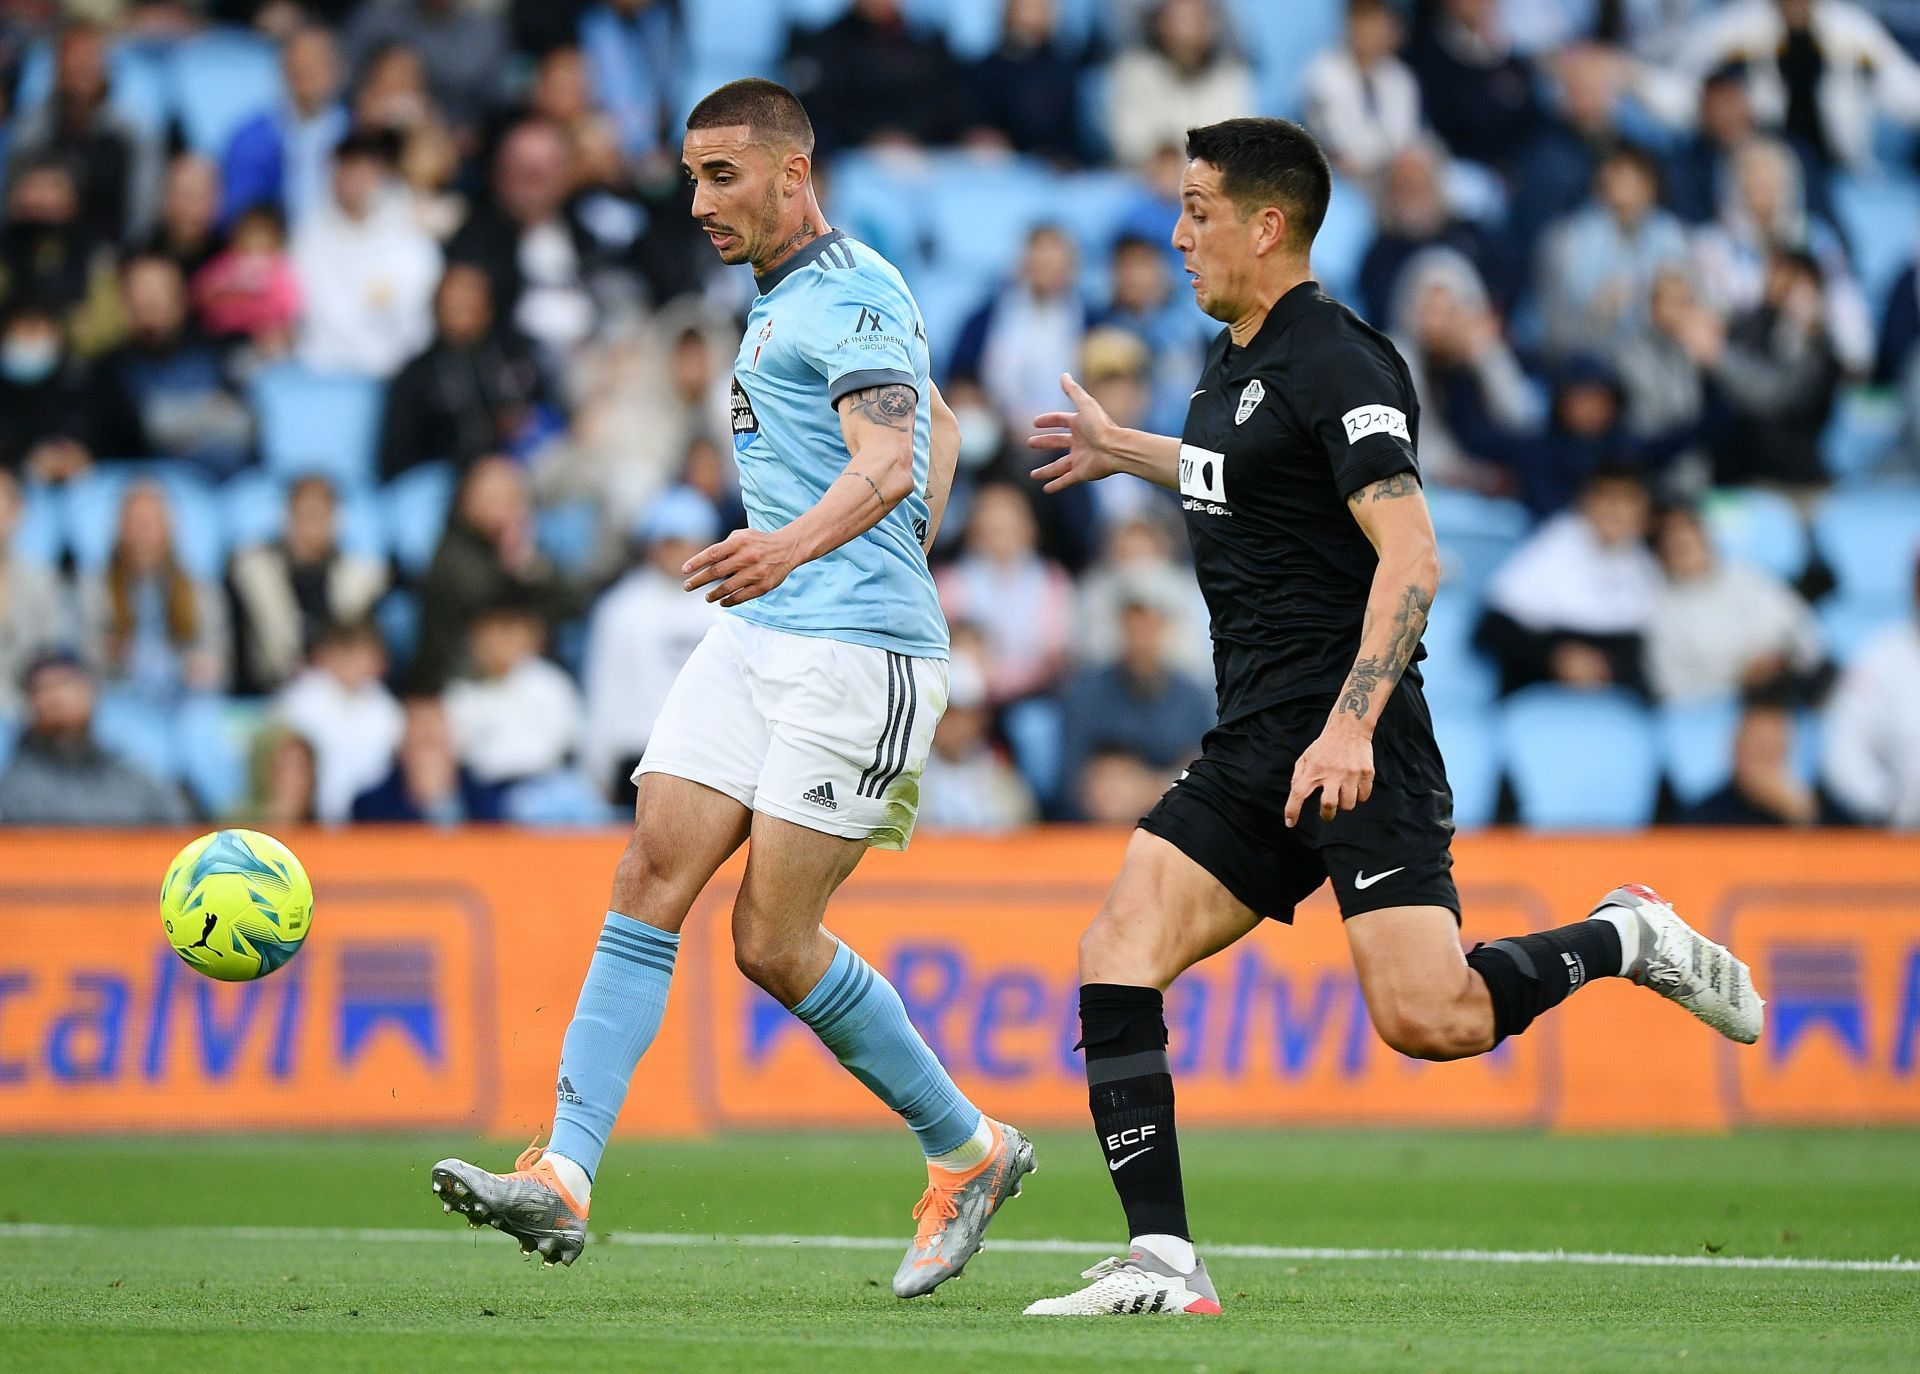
(1228, 814)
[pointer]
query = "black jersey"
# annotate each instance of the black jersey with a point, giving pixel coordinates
(1279, 434)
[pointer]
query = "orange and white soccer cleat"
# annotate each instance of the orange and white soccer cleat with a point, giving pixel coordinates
(530, 1204)
(954, 1211)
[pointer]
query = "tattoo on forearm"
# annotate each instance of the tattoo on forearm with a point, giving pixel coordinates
(872, 486)
(1386, 489)
(1356, 697)
(890, 406)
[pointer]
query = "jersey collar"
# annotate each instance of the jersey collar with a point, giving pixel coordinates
(1287, 309)
(811, 253)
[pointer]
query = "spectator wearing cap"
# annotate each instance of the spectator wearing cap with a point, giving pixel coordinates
(1720, 628)
(1571, 604)
(150, 625)
(366, 269)
(429, 785)
(1586, 430)
(1870, 759)
(641, 633)
(1028, 332)
(31, 608)
(463, 46)
(286, 592)
(474, 390)
(514, 715)
(1188, 72)
(1115, 367)
(1413, 217)
(116, 170)
(1140, 706)
(342, 708)
(969, 783)
(279, 158)
(487, 556)
(1598, 264)
(1765, 788)
(60, 775)
(1362, 100)
(1477, 89)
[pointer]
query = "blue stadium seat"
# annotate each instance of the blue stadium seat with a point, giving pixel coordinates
(91, 508)
(560, 798)
(397, 617)
(1850, 622)
(9, 737)
(416, 504)
(979, 209)
(139, 82)
(1580, 760)
(1696, 745)
(138, 730)
(254, 506)
(1093, 207)
(1759, 527)
(1343, 240)
(748, 32)
(947, 300)
(1282, 38)
(213, 735)
(1861, 435)
(1471, 747)
(221, 79)
(877, 198)
(1869, 537)
(1458, 678)
(315, 422)
(1033, 732)
(1878, 212)
(816, 14)
(200, 538)
(41, 535)
(1476, 534)
(568, 534)
(92, 515)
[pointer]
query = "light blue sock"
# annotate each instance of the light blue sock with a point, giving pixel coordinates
(618, 1014)
(857, 1014)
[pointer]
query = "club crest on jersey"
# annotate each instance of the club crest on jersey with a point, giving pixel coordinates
(766, 333)
(1250, 400)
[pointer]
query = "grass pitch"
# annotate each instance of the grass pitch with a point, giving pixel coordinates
(206, 1255)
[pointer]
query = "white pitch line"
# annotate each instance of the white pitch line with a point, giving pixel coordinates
(682, 1240)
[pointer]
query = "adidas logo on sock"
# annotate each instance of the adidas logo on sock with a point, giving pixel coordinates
(565, 1091)
(821, 796)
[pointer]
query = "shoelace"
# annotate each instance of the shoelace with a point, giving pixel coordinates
(1111, 1265)
(933, 1211)
(529, 1156)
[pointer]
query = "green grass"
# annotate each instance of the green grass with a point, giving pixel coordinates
(143, 1296)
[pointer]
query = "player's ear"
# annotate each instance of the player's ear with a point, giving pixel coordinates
(794, 176)
(1270, 231)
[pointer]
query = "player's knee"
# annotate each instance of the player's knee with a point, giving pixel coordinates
(1128, 946)
(1425, 1032)
(770, 961)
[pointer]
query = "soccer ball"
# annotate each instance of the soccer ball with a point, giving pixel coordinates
(236, 905)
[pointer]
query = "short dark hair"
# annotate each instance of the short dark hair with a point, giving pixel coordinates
(769, 109)
(1266, 162)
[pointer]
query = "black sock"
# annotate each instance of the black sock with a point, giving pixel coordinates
(1529, 974)
(1130, 1089)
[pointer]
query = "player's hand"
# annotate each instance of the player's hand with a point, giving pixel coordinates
(1339, 766)
(1085, 449)
(744, 565)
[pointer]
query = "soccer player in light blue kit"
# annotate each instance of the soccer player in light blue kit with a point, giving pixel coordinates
(804, 718)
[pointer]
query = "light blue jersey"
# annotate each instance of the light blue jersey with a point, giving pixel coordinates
(832, 319)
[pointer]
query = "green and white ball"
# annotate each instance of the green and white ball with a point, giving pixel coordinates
(237, 905)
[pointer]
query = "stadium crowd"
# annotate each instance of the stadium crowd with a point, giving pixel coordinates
(363, 386)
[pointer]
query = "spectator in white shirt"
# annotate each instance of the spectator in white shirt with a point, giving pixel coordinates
(1362, 100)
(1187, 74)
(340, 706)
(367, 270)
(969, 784)
(1871, 754)
(1718, 628)
(1571, 604)
(641, 634)
(518, 716)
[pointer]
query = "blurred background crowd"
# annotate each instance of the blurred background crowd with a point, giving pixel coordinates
(363, 386)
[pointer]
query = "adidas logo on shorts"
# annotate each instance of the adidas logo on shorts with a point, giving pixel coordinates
(821, 796)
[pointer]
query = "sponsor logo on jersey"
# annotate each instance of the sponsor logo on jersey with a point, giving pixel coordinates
(1364, 420)
(1250, 400)
(1203, 479)
(869, 322)
(745, 422)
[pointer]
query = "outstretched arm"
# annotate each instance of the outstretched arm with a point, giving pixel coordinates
(943, 457)
(877, 424)
(1339, 765)
(1093, 446)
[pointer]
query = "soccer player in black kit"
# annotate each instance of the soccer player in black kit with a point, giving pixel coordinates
(1298, 475)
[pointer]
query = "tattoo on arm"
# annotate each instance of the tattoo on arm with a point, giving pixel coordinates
(1370, 672)
(890, 406)
(1386, 489)
(872, 485)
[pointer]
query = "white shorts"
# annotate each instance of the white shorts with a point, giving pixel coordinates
(819, 732)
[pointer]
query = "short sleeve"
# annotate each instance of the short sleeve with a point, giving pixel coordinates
(863, 332)
(1355, 400)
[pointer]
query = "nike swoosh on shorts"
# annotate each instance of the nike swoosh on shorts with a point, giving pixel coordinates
(1362, 882)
